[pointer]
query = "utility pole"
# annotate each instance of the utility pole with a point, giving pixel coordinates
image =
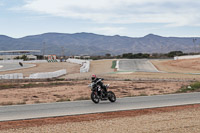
(44, 49)
(62, 51)
(194, 41)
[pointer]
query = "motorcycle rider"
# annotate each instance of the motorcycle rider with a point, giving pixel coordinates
(98, 81)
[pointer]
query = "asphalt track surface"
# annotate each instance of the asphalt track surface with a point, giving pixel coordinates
(14, 66)
(137, 65)
(21, 112)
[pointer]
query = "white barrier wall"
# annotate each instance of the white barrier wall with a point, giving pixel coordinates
(85, 64)
(186, 57)
(12, 76)
(36, 61)
(85, 67)
(77, 61)
(47, 74)
(117, 65)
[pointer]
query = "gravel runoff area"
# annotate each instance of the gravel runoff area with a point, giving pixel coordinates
(180, 119)
(186, 66)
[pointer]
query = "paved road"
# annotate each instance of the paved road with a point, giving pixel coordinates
(14, 66)
(18, 112)
(141, 65)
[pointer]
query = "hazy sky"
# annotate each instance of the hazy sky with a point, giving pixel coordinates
(134, 18)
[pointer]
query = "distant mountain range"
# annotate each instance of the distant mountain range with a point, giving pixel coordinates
(94, 44)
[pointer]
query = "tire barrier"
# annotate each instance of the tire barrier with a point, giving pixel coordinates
(12, 76)
(46, 75)
(85, 64)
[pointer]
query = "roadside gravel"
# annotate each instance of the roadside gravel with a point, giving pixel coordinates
(180, 119)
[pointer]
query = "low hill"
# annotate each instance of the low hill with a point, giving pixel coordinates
(94, 44)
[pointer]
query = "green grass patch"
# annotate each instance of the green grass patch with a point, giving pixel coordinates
(7, 86)
(113, 64)
(127, 79)
(194, 87)
(56, 83)
(30, 85)
(60, 79)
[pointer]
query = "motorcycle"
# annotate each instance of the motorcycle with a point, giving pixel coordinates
(98, 93)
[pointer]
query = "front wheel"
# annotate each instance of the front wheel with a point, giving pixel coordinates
(111, 96)
(94, 97)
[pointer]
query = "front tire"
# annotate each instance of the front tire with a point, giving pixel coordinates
(94, 97)
(111, 96)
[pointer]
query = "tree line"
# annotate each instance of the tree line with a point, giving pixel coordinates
(171, 54)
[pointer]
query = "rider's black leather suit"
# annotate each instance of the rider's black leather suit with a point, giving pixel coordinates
(98, 82)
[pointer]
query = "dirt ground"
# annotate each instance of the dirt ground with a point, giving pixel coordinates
(180, 119)
(179, 69)
(124, 84)
(101, 68)
(179, 66)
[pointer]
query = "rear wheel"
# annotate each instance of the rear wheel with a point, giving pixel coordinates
(94, 97)
(111, 96)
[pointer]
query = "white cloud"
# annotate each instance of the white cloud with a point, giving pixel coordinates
(108, 30)
(1, 3)
(169, 12)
